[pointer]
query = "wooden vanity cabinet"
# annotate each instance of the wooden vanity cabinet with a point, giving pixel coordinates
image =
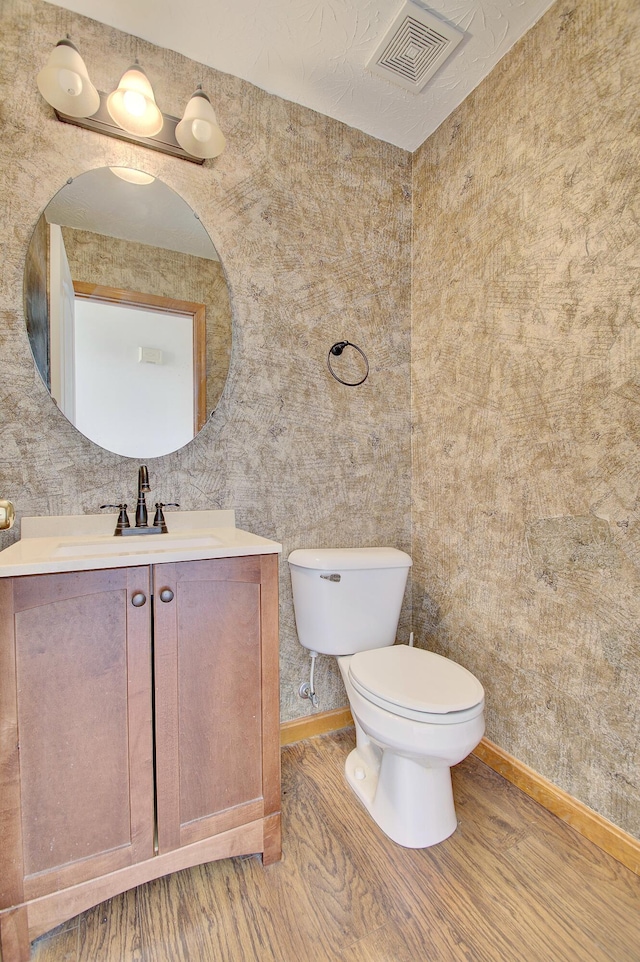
(211, 703)
(136, 739)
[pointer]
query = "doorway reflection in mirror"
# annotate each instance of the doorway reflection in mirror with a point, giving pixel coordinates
(107, 246)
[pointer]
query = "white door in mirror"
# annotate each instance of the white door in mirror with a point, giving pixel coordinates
(7, 515)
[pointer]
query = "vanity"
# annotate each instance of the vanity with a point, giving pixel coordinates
(139, 711)
(139, 697)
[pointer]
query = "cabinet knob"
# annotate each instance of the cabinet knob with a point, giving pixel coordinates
(166, 594)
(138, 599)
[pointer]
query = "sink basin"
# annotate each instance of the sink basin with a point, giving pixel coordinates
(133, 545)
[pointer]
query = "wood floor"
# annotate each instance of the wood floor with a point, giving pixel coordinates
(513, 883)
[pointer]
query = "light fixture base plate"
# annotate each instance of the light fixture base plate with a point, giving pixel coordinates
(102, 123)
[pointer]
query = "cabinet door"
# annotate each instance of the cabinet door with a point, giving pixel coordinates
(82, 711)
(217, 719)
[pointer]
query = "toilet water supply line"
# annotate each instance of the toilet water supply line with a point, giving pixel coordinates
(307, 689)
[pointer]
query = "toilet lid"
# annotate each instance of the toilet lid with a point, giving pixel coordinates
(417, 679)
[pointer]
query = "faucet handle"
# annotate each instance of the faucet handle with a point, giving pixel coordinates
(158, 521)
(123, 517)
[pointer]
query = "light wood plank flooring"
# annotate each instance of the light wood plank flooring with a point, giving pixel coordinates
(513, 883)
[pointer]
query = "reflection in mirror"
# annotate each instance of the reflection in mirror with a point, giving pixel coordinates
(128, 312)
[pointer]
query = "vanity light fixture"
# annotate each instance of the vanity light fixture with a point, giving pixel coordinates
(130, 112)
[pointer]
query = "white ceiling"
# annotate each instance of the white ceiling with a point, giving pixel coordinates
(152, 213)
(314, 52)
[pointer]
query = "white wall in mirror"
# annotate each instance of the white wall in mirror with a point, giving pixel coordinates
(129, 361)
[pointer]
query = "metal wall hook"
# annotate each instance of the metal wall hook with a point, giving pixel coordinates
(336, 350)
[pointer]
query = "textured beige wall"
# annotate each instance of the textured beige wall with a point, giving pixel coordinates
(127, 265)
(312, 223)
(526, 388)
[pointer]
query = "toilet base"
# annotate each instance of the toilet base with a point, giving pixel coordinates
(411, 803)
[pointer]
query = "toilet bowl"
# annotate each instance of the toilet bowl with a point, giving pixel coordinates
(400, 768)
(416, 713)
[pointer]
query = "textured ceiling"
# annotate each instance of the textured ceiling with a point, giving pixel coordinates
(314, 52)
(101, 202)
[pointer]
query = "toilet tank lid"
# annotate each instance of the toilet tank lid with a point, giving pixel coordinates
(349, 559)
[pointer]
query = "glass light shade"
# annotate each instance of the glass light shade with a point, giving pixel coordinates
(198, 132)
(132, 176)
(133, 106)
(64, 82)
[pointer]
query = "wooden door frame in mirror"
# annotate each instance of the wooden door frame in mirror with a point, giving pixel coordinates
(168, 305)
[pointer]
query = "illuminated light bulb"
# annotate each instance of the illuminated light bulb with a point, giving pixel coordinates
(134, 102)
(133, 106)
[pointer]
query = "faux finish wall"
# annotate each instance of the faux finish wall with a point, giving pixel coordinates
(312, 223)
(526, 392)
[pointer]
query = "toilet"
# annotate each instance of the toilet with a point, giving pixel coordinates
(416, 713)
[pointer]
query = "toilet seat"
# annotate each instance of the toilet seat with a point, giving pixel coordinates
(417, 684)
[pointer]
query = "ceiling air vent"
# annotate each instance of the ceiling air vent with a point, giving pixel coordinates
(414, 47)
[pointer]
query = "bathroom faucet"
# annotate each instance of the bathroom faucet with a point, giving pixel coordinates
(142, 525)
(143, 488)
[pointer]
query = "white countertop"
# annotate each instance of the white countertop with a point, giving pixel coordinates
(85, 542)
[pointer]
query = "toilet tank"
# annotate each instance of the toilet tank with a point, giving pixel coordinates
(347, 599)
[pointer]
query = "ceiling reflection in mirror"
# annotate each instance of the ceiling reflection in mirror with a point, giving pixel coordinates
(128, 312)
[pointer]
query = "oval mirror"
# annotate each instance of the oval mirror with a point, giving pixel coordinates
(128, 312)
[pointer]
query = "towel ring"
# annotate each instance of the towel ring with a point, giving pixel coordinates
(336, 350)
